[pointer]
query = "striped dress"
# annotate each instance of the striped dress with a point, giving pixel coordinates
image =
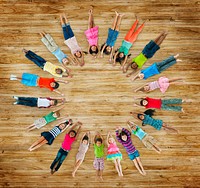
(128, 145)
(55, 131)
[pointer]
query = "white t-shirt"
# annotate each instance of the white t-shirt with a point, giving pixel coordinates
(72, 44)
(43, 102)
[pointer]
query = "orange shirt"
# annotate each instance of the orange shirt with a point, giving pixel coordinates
(45, 83)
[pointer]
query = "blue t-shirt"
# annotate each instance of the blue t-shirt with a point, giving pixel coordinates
(139, 133)
(156, 123)
(59, 55)
(150, 71)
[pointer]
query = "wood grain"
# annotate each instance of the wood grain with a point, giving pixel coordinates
(99, 95)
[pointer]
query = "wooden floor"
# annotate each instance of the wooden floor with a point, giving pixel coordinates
(99, 95)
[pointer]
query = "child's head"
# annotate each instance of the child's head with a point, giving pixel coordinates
(78, 54)
(141, 76)
(146, 88)
(107, 50)
(134, 65)
(62, 126)
(120, 57)
(85, 140)
(123, 136)
(111, 140)
(56, 114)
(98, 142)
(65, 61)
(53, 102)
(72, 133)
(143, 102)
(59, 71)
(54, 85)
(69, 122)
(93, 50)
(140, 117)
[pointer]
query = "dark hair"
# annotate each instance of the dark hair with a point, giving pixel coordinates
(56, 85)
(105, 50)
(59, 71)
(67, 122)
(55, 101)
(98, 140)
(141, 102)
(138, 116)
(73, 131)
(122, 134)
(149, 112)
(77, 56)
(85, 138)
(94, 52)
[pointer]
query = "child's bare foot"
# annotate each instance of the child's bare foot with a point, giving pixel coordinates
(117, 14)
(182, 110)
(187, 100)
(90, 11)
(101, 178)
(178, 60)
(176, 56)
(121, 15)
(73, 174)
(24, 50)
(53, 171)
(144, 173)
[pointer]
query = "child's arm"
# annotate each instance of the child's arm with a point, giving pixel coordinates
(61, 81)
(139, 88)
(103, 50)
(136, 76)
(115, 56)
(82, 59)
(78, 130)
(58, 109)
(58, 92)
(108, 135)
(78, 123)
(111, 55)
(124, 62)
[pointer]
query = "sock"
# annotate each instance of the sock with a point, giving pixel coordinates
(15, 103)
(15, 97)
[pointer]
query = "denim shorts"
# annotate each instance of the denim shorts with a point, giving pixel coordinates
(150, 49)
(67, 31)
(133, 155)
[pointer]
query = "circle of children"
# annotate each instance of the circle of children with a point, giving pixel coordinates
(120, 56)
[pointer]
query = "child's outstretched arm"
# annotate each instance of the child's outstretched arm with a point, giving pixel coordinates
(111, 55)
(62, 81)
(139, 88)
(136, 76)
(115, 56)
(57, 91)
(104, 46)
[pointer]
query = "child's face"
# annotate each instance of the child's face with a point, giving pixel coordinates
(55, 115)
(78, 54)
(71, 134)
(98, 143)
(121, 55)
(62, 126)
(146, 88)
(85, 142)
(108, 48)
(124, 138)
(52, 84)
(65, 61)
(141, 76)
(111, 140)
(134, 66)
(133, 127)
(144, 102)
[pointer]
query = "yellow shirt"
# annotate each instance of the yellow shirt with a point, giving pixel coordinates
(51, 68)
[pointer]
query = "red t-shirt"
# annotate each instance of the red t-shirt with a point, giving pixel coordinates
(45, 83)
(66, 145)
(153, 103)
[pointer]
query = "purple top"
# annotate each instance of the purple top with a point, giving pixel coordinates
(128, 145)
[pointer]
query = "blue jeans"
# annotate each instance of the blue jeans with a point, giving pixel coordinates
(161, 66)
(67, 31)
(167, 104)
(61, 155)
(27, 101)
(39, 61)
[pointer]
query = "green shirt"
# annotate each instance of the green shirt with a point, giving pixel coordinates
(125, 47)
(99, 151)
(140, 60)
(49, 117)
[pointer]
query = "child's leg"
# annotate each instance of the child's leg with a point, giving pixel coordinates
(158, 37)
(115, 21)
(116, 166)
(77, 165)
(47, 43)
(27, 101)
(51, 41)
(168, 128)
(137, 166)
(167, 104)
(53, 164)
(166, 63)
(161, 39)
(91, 19)
(140, 165)
(174, 80)
(38, 143)
(118, 22)
(62, 158)
(31, 127)
(134, 35)
(39, 61)
(120, 167)
(131, 31)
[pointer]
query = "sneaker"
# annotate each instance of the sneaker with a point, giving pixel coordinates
(15, 97)
(15, 103)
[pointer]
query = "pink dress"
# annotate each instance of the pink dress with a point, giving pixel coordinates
(92, 36)
(162, 84)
